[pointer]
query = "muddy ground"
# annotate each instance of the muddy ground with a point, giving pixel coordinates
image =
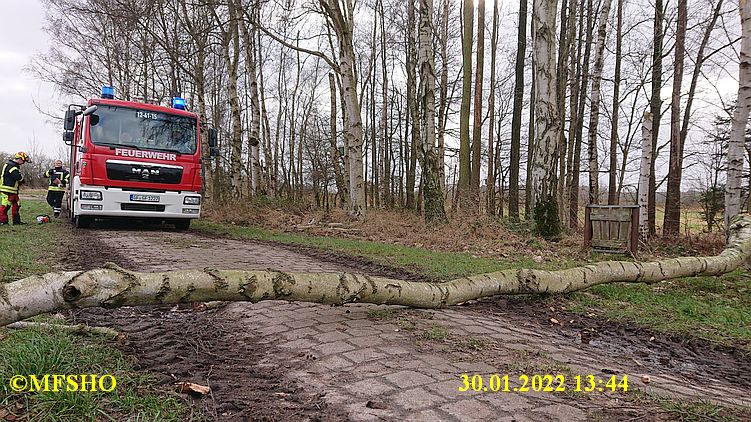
(251, 377)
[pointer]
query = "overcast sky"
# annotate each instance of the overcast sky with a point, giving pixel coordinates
(21, 36)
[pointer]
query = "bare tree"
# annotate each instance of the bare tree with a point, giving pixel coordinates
(490, 184)
(547, 123)
(655, 109)
(740, 119)
(432, 193)
(672, 222)
(477, 109)
(612, 170)
(594, 114)
(516, 122)
(465, 165)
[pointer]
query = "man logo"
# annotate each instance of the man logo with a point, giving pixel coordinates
(145, 173)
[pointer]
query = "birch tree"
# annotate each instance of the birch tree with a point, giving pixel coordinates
(230, 43)
(740, 118)
(341, 18)
(547, 123)
(644, 175)
(432, 193)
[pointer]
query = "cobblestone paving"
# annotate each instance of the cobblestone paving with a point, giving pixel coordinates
(376, 369)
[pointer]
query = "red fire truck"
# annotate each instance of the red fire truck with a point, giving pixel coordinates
(134, 160)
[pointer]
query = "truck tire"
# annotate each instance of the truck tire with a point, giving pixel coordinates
(82, 222)
(183, 224)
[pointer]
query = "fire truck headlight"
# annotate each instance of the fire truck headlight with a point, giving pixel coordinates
(91, 195)
(192, 200)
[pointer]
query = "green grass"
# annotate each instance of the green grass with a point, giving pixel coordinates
(713, 308)
(690, 410)
(385, 313)
(471, 342)
(28, 249)
(433, 264)
(31, 249)
(435, 332)
(37, 352)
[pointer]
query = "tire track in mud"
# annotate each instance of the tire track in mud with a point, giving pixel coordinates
(248, 378)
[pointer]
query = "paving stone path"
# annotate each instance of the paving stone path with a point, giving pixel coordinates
(381, 365)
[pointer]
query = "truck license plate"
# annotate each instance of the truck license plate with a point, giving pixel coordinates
(144, 198)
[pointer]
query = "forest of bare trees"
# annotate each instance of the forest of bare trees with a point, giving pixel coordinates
(449, 108)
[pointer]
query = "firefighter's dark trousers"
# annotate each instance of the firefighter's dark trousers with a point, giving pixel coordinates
(55, 199)
(9, 202)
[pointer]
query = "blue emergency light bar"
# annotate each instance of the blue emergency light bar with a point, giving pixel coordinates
(108, 92)
(178, 103)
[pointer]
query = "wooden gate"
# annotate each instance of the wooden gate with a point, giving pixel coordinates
(612, 228)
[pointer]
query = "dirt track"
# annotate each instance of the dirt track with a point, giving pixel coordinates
(281, 361)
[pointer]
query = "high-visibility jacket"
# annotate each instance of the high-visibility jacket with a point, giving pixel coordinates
(10, 178)
(57, 173)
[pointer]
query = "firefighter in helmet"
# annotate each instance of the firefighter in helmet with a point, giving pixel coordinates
(10, 179)
(59, 177)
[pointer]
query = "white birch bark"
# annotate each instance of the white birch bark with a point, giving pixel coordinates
(594, 117)
(644, 169)
(740, 119)
(342, 21)
(442, 104)
(249, 37)
(547, 124)
(231, 56)
(431, 191)
(112, 286)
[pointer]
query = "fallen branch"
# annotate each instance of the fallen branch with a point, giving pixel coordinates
(112, 286)
(78, 328)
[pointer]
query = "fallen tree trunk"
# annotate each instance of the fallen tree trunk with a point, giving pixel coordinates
(112, 286)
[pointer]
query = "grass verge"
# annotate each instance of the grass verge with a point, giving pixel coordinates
(717, 309)
(31, 249)
(438, 265)
(712, 308)
(32, 351)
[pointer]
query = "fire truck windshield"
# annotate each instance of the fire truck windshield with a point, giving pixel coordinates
(141, 129)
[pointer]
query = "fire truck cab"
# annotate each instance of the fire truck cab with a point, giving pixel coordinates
(134, 160)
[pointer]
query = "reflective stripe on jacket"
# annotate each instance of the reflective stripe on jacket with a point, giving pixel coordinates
(10, 177)
(54, 174)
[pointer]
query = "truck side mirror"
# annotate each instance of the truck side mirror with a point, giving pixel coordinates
(214, 152)
(212, 138)
(68, 137)
(70, 120)
(89, 110)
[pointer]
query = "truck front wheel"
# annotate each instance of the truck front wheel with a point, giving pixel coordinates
(183, 224)
(82, 222)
